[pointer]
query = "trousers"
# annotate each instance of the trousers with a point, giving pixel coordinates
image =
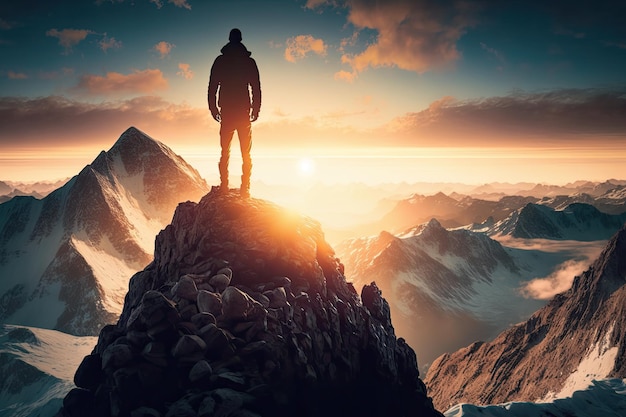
(238, 120)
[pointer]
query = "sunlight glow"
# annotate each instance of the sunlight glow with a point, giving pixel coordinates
(306, 167)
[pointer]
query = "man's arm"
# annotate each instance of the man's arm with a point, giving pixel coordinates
(212, 91)
(255, 85)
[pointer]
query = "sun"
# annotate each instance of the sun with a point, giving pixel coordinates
(306, 167)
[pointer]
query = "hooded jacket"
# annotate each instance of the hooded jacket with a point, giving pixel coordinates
(234, 72)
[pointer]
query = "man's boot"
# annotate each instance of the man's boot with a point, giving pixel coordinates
(245, 187)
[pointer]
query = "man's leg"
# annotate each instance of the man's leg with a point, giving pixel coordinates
(244, 132)
(226, 137)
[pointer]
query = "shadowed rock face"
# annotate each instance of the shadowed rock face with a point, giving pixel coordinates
(245, 311)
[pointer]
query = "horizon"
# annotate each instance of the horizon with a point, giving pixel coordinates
(309, 166)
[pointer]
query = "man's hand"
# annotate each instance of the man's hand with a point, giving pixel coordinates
(216, 115)
(254, 115)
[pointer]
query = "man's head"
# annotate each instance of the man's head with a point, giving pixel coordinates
(235, 35)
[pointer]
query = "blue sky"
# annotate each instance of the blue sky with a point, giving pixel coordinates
(340, 74)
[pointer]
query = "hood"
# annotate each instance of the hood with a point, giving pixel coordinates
(235, 48)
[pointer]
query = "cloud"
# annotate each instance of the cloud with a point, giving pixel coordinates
(299, 46)
(163, 48)
(497, 54)
(107, 43)
(185, 72)
(146, 81)
(557, 282)
(345, 76)
(414, 35)
(181, 3)
(6, 25)
(545, 117)
(16, 75)
(57, 121)
(69, 38)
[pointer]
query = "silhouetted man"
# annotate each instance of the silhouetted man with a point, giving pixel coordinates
(236, 75)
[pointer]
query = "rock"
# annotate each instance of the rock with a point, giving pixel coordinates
(79, 402)
(189, 346)
(155, 308)
(235, 304)
(202, 319)
(277, 297)
(185, 288)
(201, 370)
(275, 331)
(209, 302)
(145, 412)
(220, 281)
(156, 353)
(89, 372)
(116, 356)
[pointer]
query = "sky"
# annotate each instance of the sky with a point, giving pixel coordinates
(353, 90)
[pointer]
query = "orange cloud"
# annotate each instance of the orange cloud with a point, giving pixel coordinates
(69, 37)
(107, 43)
(412, 35)
(145, 81)
(345, 76)
(185, 72)
(299, 46)
(163, 48)
(16, 75)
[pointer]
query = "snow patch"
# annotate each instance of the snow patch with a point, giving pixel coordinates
(111, 272)
(597, 364)
(47, 363)
(606, 398)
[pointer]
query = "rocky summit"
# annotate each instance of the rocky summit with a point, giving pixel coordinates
(245, 311)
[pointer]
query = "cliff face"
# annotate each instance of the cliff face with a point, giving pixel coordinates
(577, 338)
(245, 311)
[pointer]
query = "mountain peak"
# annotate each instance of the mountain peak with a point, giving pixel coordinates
(246, 309)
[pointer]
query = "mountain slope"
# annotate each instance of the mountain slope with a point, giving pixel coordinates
(577, 337)
(37, 369)
(245, 311)
(446, 288)
(65, 259)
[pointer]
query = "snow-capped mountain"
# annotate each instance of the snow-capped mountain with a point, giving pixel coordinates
(37, 369)
(446, 288)
(65, 260)
(577, 221)
(577, 338)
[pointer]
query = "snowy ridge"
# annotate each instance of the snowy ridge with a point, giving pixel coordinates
(37, 369)
(577, 221)
(605, 397)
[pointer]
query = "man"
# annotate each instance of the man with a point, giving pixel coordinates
(235, 74)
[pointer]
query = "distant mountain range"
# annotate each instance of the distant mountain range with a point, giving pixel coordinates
(458, 210)
(577, 338)
(65, 260)
(460, 285)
